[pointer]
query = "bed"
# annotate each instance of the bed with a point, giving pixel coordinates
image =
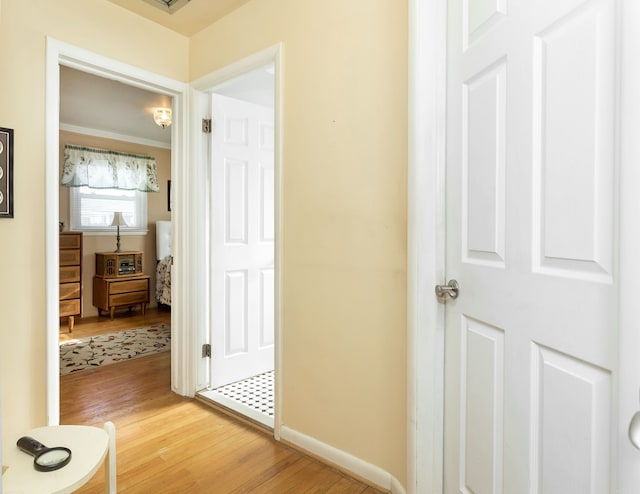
(163, 257)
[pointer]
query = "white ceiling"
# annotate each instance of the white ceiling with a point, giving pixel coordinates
(93, 105)
(257, 86)
(97, 106)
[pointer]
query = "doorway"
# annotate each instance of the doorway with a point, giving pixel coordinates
(61, 54)
(241, 372)
(244, 260)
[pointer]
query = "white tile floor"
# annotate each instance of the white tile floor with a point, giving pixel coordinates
(252, 397)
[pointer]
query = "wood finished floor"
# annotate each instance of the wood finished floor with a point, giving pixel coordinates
(92, 326)
(168, 444)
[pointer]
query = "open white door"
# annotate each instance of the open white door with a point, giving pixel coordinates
(242, 240)
(532, 339)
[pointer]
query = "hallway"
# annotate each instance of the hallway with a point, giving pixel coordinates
(169, 444)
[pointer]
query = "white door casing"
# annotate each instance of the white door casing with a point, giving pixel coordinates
(426, 246)
(242, 240)
(60, 53)
(532, 341)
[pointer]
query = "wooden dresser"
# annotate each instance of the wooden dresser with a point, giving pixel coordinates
(120, 282)
(71, 276)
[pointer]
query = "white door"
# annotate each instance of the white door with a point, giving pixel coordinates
(531, 341)
(242, 232)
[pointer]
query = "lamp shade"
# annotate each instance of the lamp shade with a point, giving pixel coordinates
(118, 220)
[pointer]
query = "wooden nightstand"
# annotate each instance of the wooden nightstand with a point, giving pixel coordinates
(119, 281)
(109, 293)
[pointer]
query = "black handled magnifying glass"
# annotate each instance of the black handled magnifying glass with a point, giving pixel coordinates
(45, 459)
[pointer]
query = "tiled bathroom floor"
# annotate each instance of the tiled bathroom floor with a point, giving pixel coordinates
(252, 397)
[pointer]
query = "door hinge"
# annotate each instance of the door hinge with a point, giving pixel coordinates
(206, 126)
(206, 350)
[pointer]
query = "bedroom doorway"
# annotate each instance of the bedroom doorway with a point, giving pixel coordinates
(241, 373)
(61, 56)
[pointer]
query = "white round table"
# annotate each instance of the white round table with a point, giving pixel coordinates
(89, 446)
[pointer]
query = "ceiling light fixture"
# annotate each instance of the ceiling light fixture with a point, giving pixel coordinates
(169, 6)
(162, 116)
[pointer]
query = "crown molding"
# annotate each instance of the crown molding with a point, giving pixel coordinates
(113, 135)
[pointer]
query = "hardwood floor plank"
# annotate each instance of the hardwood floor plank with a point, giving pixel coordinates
(282, 481)
(281, 470)
(317, 478)
(168, 444)
(347, 486)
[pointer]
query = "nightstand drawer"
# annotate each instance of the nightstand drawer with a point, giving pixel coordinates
(128, 286)
(69, 291)
(128, 298)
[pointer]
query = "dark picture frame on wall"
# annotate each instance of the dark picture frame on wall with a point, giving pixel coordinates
(168, 195)
(6, 173)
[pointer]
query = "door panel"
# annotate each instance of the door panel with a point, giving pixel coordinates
(570, 423)
(573, 113)
(482, 395)
(237, 316)
(479, 16)
(236, 198)
(242, 239)
(483, 140)
(531, 341)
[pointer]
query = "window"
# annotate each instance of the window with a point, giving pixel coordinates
(92, 209)
(102, 182)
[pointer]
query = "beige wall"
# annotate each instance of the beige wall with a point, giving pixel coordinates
(344, 193)
(98, 26)
(156, 210)
(344, 197)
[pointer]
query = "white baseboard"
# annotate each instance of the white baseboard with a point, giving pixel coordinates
(396, 486)
(343, 461)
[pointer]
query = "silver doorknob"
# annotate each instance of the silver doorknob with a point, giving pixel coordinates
(452, 288)
(634, 430)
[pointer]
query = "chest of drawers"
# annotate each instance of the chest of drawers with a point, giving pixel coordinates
(70, 276)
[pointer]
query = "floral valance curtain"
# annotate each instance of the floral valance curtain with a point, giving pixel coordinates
(102, 169)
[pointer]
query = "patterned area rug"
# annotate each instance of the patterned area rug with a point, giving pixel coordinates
(94, 351)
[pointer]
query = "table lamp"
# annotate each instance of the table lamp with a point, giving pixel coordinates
(118, 221)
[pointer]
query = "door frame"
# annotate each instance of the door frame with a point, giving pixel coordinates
(200, 95)
(426, 245)
(60, 53)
